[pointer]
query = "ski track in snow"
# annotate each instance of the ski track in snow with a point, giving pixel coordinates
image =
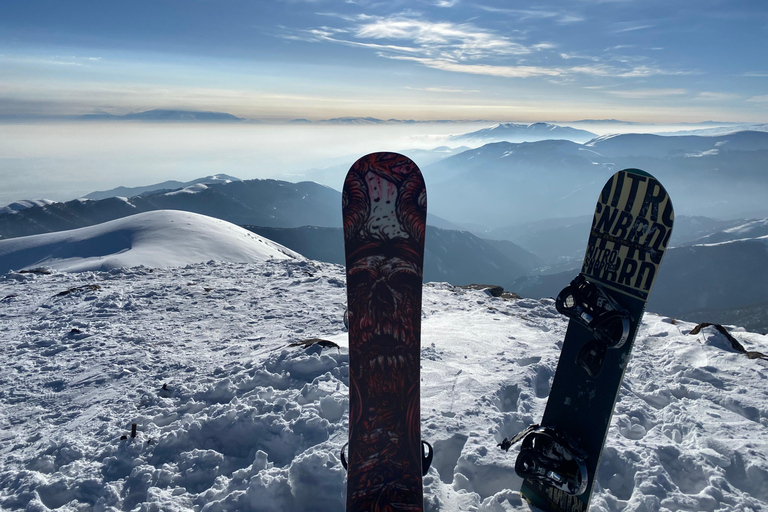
(246, 423)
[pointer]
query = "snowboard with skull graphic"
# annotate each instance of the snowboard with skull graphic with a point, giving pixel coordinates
(384, 207)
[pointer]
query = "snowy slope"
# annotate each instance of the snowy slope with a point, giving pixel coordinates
(231, 418)
(163, 238)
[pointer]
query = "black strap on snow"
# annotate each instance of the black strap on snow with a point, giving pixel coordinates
(426, 459)
(343, 458)
(506, 444)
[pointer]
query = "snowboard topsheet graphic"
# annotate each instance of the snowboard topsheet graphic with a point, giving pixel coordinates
(384, 206)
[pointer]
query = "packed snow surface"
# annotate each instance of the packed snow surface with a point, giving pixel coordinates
(232, 414)
(230, 417)
(163, 238)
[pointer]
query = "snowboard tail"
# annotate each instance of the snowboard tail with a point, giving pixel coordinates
(605, 303)
(384, 211)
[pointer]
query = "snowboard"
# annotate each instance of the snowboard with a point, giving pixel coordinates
(630, 230)
(384, 207)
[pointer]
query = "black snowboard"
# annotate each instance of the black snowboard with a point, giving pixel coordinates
(630, 231)
(384, 206)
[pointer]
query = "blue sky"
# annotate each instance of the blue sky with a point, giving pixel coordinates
(638, 60)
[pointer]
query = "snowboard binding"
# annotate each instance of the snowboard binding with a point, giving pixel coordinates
(426, 457)
(548, 457)
(589, 304)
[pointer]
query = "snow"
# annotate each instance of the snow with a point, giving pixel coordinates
(601, 138)
(221, 178)
(231, 417)
(748, 226)
(762, 239)
(24, 204)
(162, 238)
(192, 189)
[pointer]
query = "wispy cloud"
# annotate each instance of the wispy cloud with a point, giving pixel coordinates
(623, 27)
(570, 56)
(470, 49)
(458, 41)
(645, 94)
(54, 60)
(559, 17)
(758, 99)
(443, 90)
(717, 96)
(481, 69)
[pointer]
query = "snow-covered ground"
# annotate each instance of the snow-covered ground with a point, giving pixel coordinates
(230, 417)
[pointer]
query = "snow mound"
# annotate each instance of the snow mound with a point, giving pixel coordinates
(159, 239)
(231, 417)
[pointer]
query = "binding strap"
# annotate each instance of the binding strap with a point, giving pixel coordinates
(426, 458)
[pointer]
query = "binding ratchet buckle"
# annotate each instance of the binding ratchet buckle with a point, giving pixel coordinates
(589, 304)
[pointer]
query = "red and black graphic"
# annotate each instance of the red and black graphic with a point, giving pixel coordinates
(384, 206)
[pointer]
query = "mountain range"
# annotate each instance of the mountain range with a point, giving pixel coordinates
(504, 184)
(519, 201)
(167, 116)
(257, 202)
(167, 186)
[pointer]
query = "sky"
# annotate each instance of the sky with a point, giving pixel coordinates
(635, 60)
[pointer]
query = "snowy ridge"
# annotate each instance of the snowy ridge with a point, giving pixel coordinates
(601, 138)
(161, 238)
(218, 178)
(192, 189)
(748, 226)
(230, 417)
(762, 239)
(24, 204)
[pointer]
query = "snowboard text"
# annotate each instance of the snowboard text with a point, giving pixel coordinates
(630, 230)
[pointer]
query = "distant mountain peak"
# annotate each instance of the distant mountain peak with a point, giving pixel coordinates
(355, 120)
(513, 132)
